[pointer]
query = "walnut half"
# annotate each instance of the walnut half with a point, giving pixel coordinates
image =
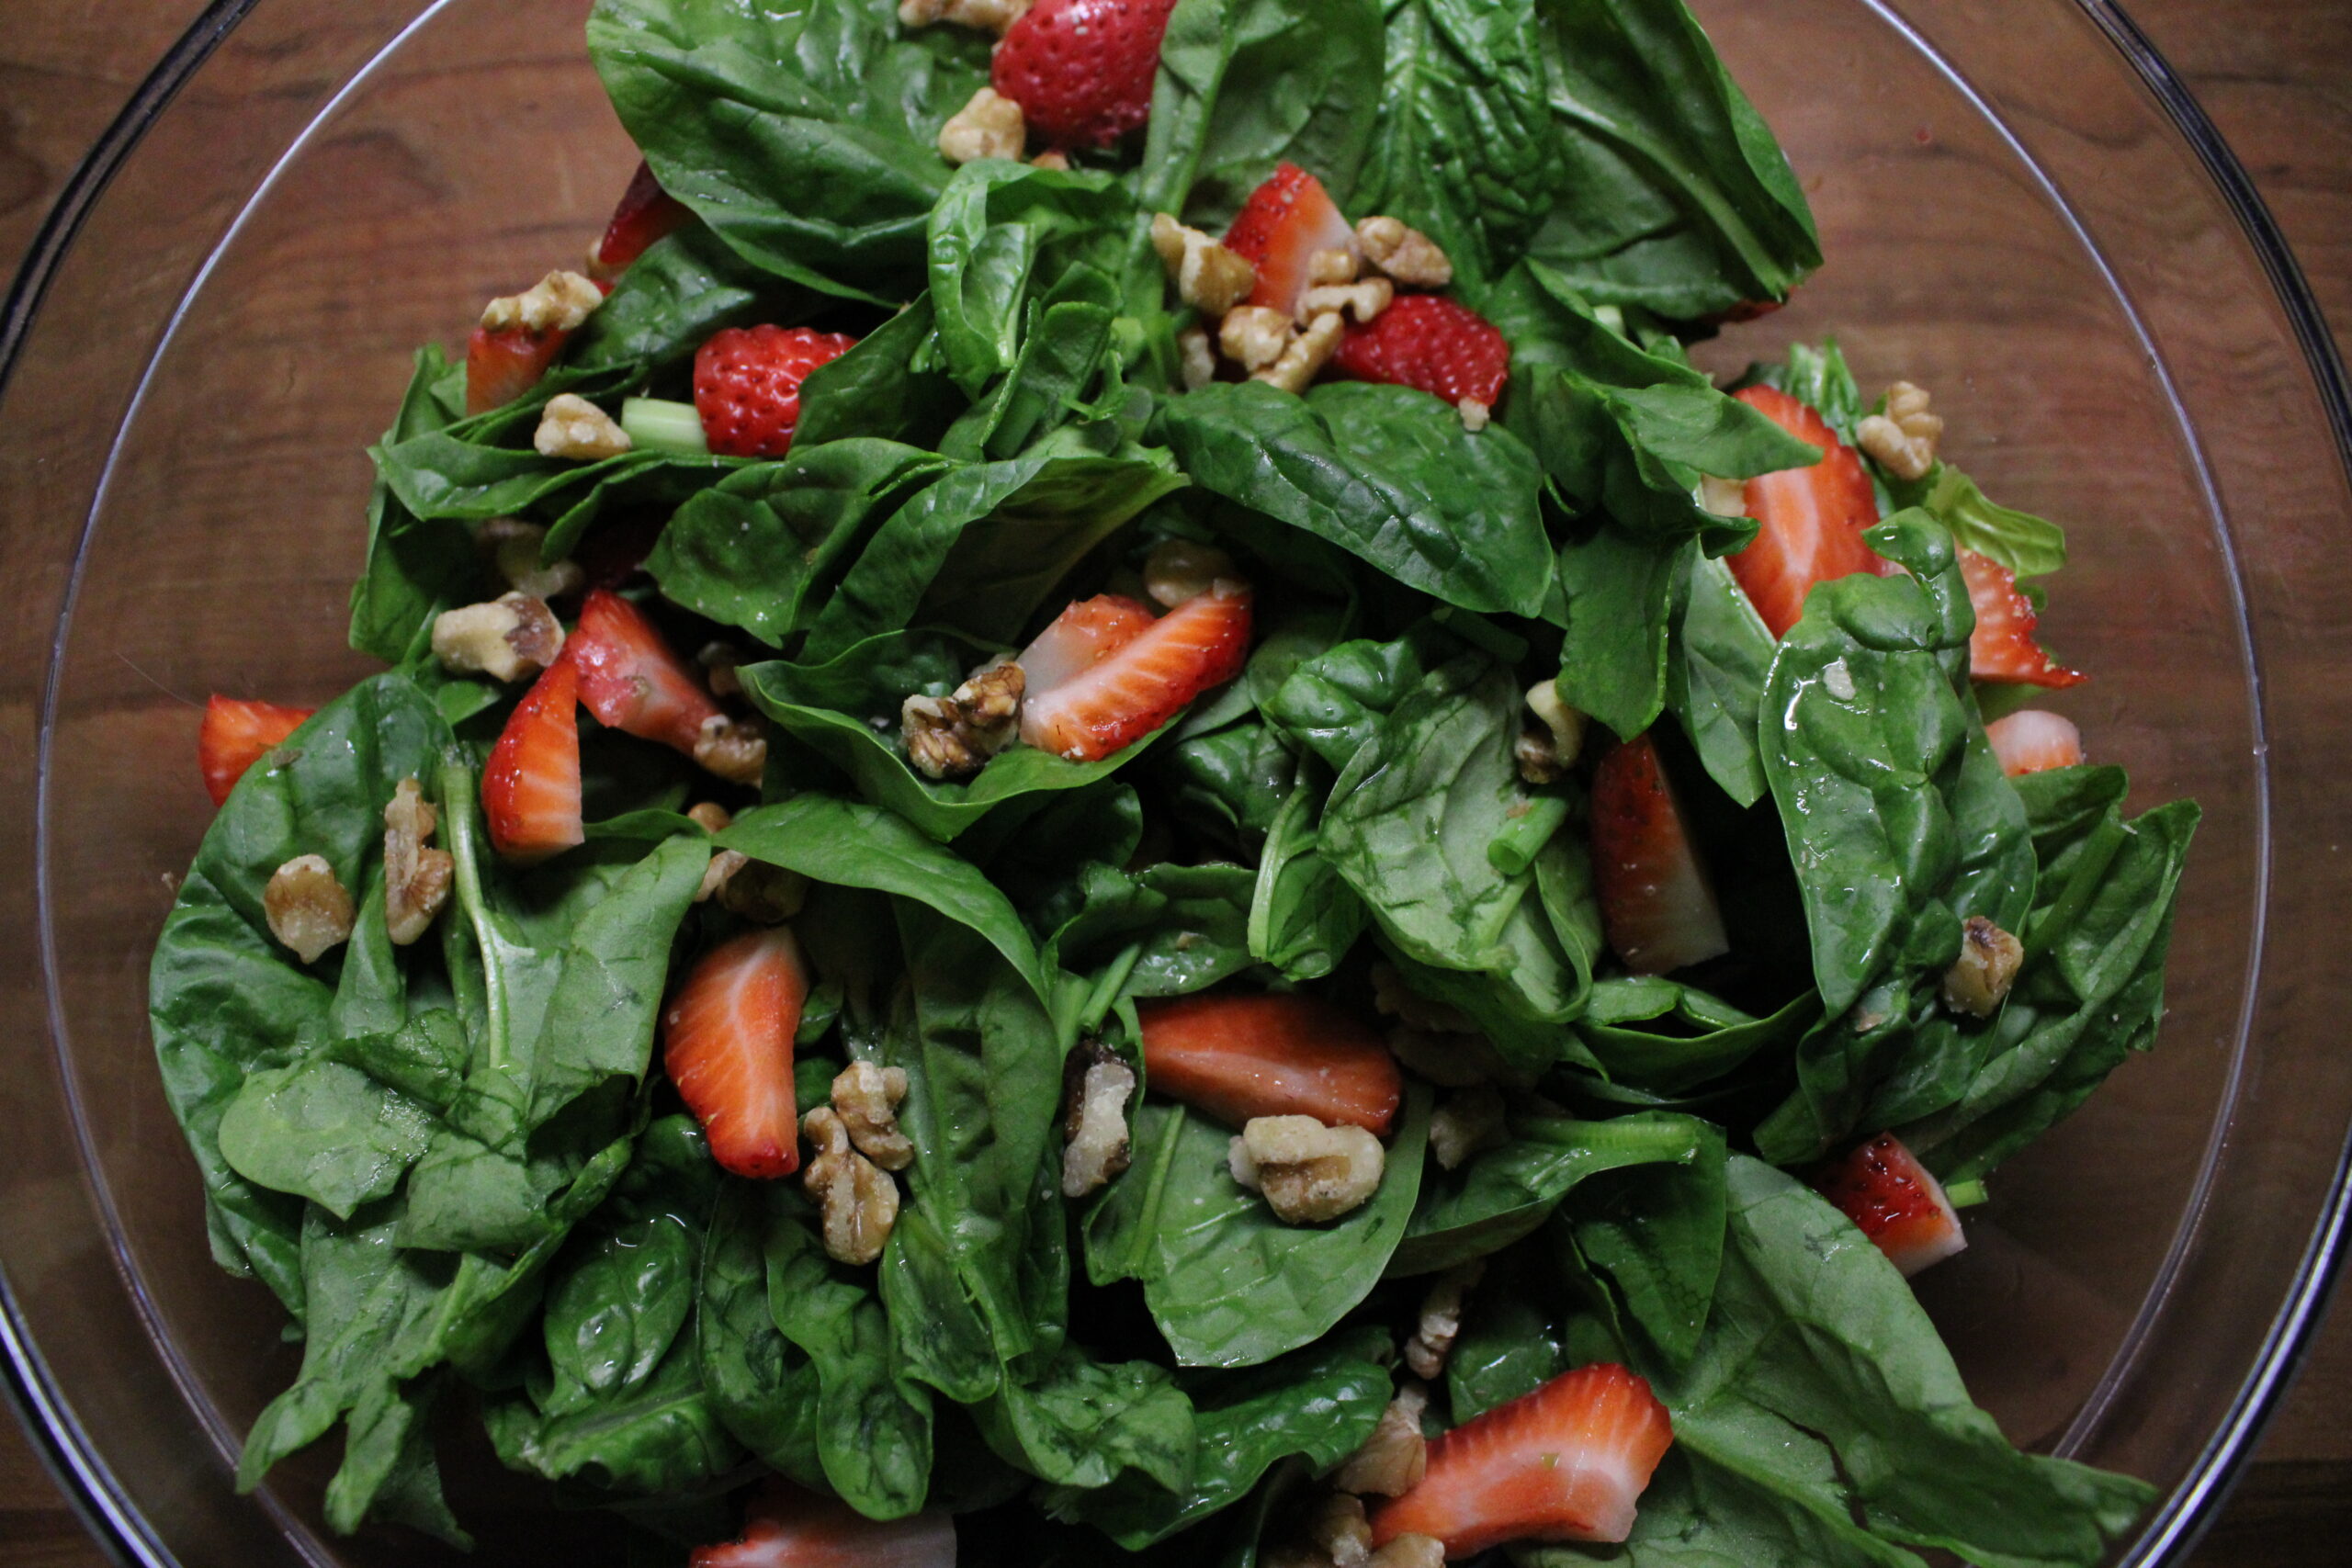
(866, 1098)
(991, 126)
(1987, 967)
(575, 428)
(734, 748)
(1308, 1172)
(558, 302)
(859, 1199)
(1409, 256)
(1902, 438)
(416, 877)
(954, 736)
(511, 637)
(1395, 1458)
(308, 910)
(1208, 276)
(1094, 1120)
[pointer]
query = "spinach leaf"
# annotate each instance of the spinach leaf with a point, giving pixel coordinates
(687, 286)
(1714, 679)
(2027, 545)
(1697, 1040)
(415, 567)
(324, 1131)
(1387, 473)
(887, 387)
(1177, 928)
(1821, 380)
(1228, 784)
(1083, 1423)
(1656, 1233)
(1615, 609)
(1332, 702)
(763, 1387)
(1070, 366)
(998, 224)
(1229, 1285)
(1699, 1513)
(1302, 915)
(1509, 1345)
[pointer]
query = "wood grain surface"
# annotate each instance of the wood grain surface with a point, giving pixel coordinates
(2274, 75)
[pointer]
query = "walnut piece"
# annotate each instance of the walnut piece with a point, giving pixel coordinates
(416, 877)
(1336, 265)
(308, 910)
(711, 817)
(1394, 1458)
(1725, 498)
(1902, 438)
(859, 1199)
(1255, 337)
(1409, 256)
(1987, 967)
(1339, 1530)
(1433, 1338)
(575, 428)
(1409, 1551)
(1051, 158)
(953, 737)
(1198, 359)
(1094, 1119)
(763, 894)
(1180, 570)
(1472, 1122)
(719, 664)
(511, 637)
(1208, 276)
(1308, 1172)
(1306, 357)
(1545, 755)
(988, 16)
(1475, 415)
(866, 1098)
(1362, 301)
(725, 864)
(513, 547)
(734, 748)
(558, 302)
(989, 126)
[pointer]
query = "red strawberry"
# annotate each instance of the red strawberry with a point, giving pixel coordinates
(727, 1044)
(646, 213)
(1081, 70)
(747, 385)
(530, 791)
(236, 734)
(1565, 1462)
(504, 364)
(2033, 740)
(1280, 228)
(1884, 1189)
(631, 679)
(787, 1528)
(2002, 647)
(1236, 1057)
(1430, 341)
(1141, 684)
(1809, 520)
(1656, 902)
(1080, 637)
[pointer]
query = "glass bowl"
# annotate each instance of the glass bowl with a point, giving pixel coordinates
(2022, 210)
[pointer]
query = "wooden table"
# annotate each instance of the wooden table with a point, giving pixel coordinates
(2276, 75)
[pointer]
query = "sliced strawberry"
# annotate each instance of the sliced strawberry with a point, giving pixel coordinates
(1809, 522)
(1886, 1191)
(236, 734)
(530, 791)
(1081, 636)
(504, 364)
(727, 1044)
(1082, 70)
(747, 385)
(1236, 1057)
(1142, 683)
(646, 213)
(631, 679)
(2002, 647)
(1565, 1463)
(1430, 341)
(1280, 227)
(2032, 741)
(1656, 901)
(787, 1528)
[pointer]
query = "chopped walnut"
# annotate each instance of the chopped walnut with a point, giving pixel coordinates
(575, 428)
(710, 817)
(1409, 1551)
(1336, 265)
(1433, 1337)
(1989, 958)
(308, 910)
(1396, 1456)
(1308, 1172)
(1255, 337)
(1180, 570)
(1208, 276)
(1725, 498)
(1545, 755)
(510, 638)
(1391, 996)
(1339, 1530)
(1902, 438)
(1306, 357)
(723, 867)
(859, 1199)
(1475, 415)
(1051, 158)
(989, 126)
(1471, 1122)
(1094, 1119)
(866, 1098)
(1197, 357)
(1409, 256)
(954, 736)
(763, 894)
(734, 748)
(988, 16)
(558, 302)
(1362, 301)
(719, 664)
(417, 877)
(514, 546)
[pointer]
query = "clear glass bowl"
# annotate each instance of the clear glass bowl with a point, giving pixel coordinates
(2022, 210)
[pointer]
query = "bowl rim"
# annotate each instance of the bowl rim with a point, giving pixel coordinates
(114, 1520)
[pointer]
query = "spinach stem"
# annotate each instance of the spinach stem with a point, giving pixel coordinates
(657, 424)
(1107, 988)
(453, 782)
(1967, 1195)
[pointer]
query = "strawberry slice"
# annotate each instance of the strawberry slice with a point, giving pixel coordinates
(727, 1044)
(1081, 636)
(787, 1528)
(1082, 70)
(2032, 741)
(2002, 647)
(1142, 683)
(1280, 227)
(1809, 520)
(501, 366)
(1236, 1057)
(1432, 343)
(747, 385)
(631, 679)
(646, 213)
(1656, 901)
(1884, 1189)
(236, 734)
(530, 790)
(1565, 1462)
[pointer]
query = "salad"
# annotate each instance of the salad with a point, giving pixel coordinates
(1109, 821)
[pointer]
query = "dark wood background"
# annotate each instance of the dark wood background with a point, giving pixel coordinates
(2275, 75)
